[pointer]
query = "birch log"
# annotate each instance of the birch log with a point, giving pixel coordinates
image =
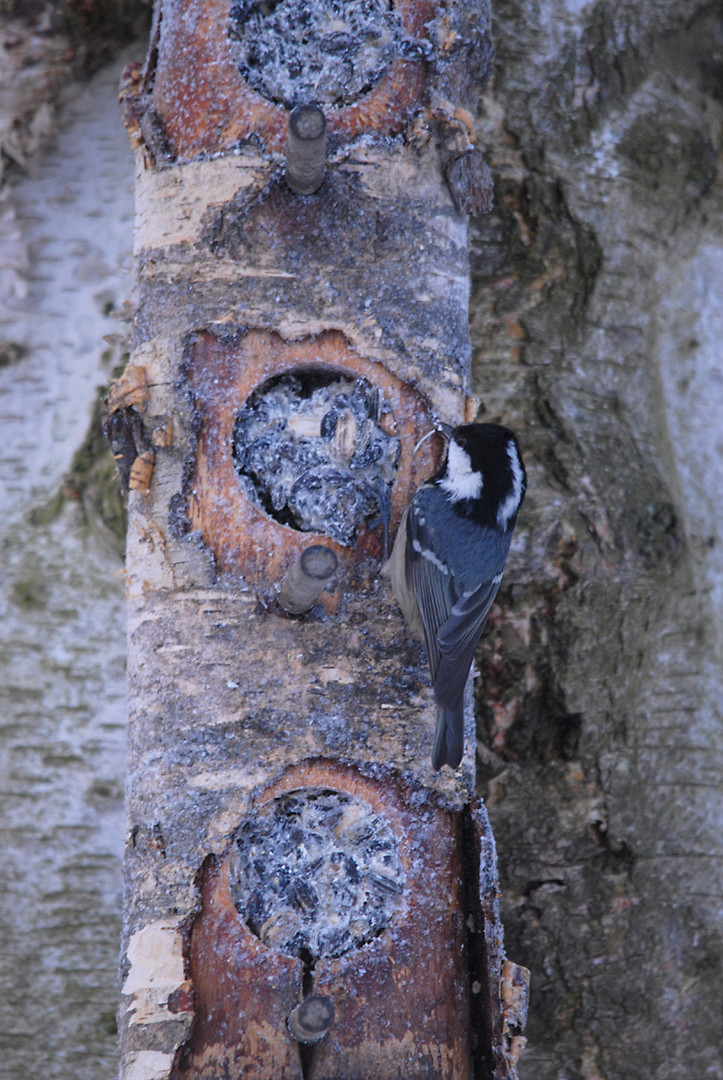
(288, 838)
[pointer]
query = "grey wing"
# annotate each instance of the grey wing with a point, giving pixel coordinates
(431, 583)
(457, 640)
(453, 618)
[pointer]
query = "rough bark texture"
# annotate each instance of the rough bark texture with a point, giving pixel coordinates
(596, 323)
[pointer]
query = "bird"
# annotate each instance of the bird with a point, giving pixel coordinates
(448, 558)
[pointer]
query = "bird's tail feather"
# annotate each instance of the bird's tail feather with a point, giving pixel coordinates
(449, 737)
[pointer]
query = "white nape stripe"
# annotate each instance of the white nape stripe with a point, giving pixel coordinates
(461, 481)
(509, 506)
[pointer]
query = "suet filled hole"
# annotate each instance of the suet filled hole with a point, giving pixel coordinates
(330, 52)
(316, 873)
(318, 452)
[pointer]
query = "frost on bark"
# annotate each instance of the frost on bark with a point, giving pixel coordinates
(288, 838)
(597, 291)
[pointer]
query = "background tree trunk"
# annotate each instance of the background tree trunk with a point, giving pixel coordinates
(66, 220)
(596, 324)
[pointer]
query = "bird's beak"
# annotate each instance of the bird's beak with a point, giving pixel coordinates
(443, 429)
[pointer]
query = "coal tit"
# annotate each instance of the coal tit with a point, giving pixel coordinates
(447, 562)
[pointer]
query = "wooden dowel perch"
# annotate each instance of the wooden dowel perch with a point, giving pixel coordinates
(306, 149)
(307, 579)
(311, 1020)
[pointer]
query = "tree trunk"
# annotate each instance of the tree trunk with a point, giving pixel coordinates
(292, 853)
(597, 286)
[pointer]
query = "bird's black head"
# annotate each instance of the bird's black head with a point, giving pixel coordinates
(484, 474)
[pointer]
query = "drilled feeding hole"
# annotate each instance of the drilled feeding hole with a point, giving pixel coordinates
(317, 452)
(328, 51)
(316, 873)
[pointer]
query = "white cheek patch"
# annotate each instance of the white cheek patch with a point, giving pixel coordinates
(461, 481)
(510, 505)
